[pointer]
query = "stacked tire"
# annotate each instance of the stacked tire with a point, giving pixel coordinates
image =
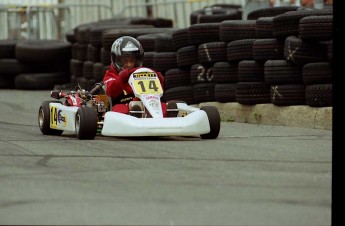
(9, 66)
(281, 56)
(91, 45)
(34, 64)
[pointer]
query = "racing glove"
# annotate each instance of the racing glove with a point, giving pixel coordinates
(125, 73)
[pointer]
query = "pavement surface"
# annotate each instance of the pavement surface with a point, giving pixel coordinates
(252, 174)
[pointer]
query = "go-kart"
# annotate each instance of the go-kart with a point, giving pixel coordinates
(88, 113)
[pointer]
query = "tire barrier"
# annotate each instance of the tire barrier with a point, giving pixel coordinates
(41, 81)
(34, 64)
(299, 52)
(287, 24)
(280, 55)
(8, 48)
(203, 33)
(288, 94)
(180, 38)
(42, 51)
(163, 42)
(232, 30)
(263, 64)
(268, 49)
(270, 12)
(163, 61)
(176, 77)
(187, 56)
(264, 27)
(148, 41)
(225, 72)
(240, 50)
(216, 13)
(279, 72)
(317, 28)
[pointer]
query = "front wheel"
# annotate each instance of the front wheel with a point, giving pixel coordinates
(214, 121)
(44, 119)
(86, 123)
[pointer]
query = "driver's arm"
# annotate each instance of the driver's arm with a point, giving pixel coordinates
(113, 84)
(160, 77)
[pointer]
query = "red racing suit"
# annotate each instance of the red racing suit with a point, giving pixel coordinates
(120, 91)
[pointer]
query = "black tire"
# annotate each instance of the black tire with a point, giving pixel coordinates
(43, 51)
(265, 12)
(319, 95)
(203, 92)
(8, 48)
(172, 109)
(41, 81)
(164, 61)
(44, 119)
(216, 14)
(212, 52)
(86, 123)
(6, 82)
(214, 120)
(200, 33)
(180, 38)
(184, 93)
(163, 42)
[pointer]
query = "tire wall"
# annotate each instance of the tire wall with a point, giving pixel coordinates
(34, 64)
(281, 56)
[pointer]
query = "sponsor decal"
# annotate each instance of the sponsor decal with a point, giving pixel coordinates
(57, 117)
(126, 99)
(62, 119)
(129, 47)
(142, 75)
(150, 97)
(154, 103)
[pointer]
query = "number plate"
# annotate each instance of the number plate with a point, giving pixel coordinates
(147, 83)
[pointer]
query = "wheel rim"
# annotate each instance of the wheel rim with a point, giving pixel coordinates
(41, 118)
(77, 123)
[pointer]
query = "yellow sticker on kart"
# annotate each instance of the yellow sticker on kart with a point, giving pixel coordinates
(57, 118)
(144, 74)
(147, 83)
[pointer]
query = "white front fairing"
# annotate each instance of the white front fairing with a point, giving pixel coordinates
(146, 86)
(62, 117)
(118, 124)
(153, 105)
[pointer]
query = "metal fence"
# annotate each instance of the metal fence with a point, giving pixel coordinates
(47, 21)
(177, 10)
(51, 19)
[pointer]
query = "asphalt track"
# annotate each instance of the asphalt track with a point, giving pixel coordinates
(251, 175)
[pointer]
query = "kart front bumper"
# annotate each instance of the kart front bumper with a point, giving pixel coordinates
(118, 124)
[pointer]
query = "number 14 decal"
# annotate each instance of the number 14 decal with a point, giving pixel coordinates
(148, 86)
(53, 117)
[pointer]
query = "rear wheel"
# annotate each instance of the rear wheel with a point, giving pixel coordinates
(214, 121)
(44, 119)
(86, 123)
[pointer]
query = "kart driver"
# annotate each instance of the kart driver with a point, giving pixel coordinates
(126, 56)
